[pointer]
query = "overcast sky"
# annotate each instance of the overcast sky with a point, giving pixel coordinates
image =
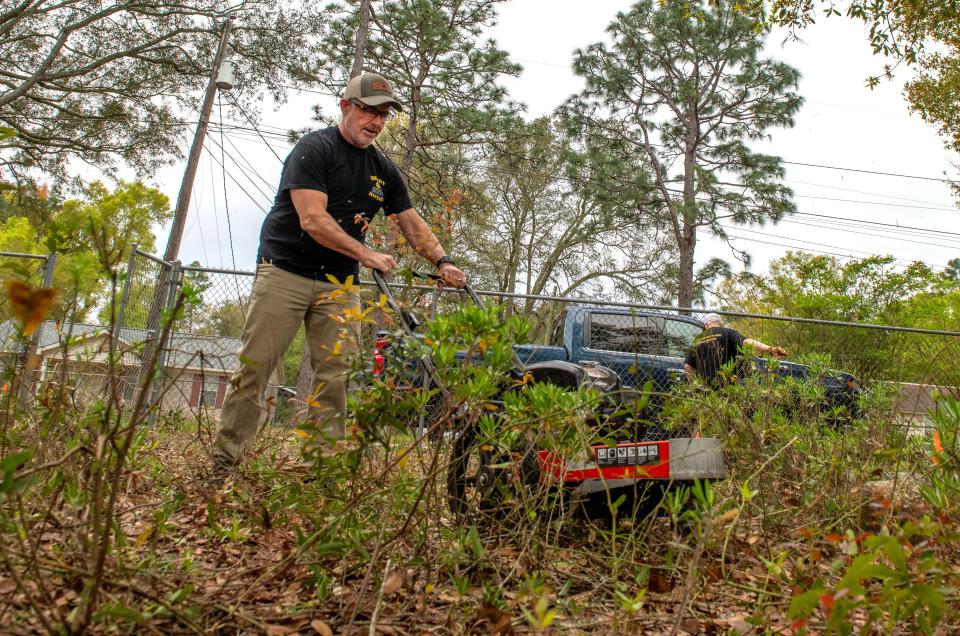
(842, 125)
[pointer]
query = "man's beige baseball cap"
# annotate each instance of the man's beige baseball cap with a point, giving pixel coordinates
(371, 89)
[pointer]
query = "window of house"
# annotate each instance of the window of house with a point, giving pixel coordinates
(208, 391)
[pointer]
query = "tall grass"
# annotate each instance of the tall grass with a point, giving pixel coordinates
(108, 523)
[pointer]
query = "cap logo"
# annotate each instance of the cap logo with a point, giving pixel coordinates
(380, 85)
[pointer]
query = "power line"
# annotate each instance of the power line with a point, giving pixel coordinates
(226, 206)
(931, 206)
(266, 195)
(789, 218)
(198, 202)
(884, 236)
(851, 227)
(817, 165)
(234, 179)
(307, 90)
(891, 225)
(252, 123)
(268, 184)
(902, 229)
(837, 254)
(122, 120)
(851, 223)
(814, 251)
(793, 247)
(899, 227)
(794, 163)
(213, 201)
(891, 205)
(876, 172)
(566, 67)
(643, 147)
(883, 196)
(939, 208)
(790, 238)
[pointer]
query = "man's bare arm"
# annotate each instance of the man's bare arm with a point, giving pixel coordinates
(689, 372)
(765, 348)
(311, 207)
(421, 238)
(425, 243)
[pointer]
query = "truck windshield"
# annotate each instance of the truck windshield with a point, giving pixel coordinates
(649, 335)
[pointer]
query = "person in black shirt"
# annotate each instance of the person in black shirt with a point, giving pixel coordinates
(333, 183)
(715, 347)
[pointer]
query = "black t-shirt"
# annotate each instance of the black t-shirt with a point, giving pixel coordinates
(712, 349)
(358, 182)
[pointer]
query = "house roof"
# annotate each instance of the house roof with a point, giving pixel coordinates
(186, 351)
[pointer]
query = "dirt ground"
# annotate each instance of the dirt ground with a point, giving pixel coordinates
(279, 549)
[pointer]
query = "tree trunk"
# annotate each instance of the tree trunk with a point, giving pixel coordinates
(510, 280)
(363, 30)
(410, 143)
(688, 239)
(409, 148)
(687, 246)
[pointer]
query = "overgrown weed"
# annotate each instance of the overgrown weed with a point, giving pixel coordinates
(818, 527)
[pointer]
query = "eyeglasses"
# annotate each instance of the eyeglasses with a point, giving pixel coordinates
(370, 111)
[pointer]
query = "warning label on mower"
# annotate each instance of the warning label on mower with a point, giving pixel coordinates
(628, 455)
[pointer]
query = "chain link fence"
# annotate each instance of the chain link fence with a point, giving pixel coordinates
(644, 345)
(202, 352)
(902, 370)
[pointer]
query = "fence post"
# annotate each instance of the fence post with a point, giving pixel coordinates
(30, 349)
(124, 295)
(153, 329)
(127, 378)
(170, 301)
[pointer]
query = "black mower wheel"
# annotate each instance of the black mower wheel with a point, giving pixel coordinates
(486, 482)
(470, 479)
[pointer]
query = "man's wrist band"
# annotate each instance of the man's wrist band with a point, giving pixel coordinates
(444, 259)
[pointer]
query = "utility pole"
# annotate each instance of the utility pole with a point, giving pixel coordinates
(170, 270)
(193, 160)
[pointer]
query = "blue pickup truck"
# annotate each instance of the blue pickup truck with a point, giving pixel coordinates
(645, 346)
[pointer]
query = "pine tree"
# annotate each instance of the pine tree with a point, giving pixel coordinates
(681, 91)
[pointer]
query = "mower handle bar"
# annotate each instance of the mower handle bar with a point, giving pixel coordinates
(410, 321)
(381, 281)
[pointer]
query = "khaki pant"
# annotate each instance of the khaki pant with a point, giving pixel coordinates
(280, 301)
